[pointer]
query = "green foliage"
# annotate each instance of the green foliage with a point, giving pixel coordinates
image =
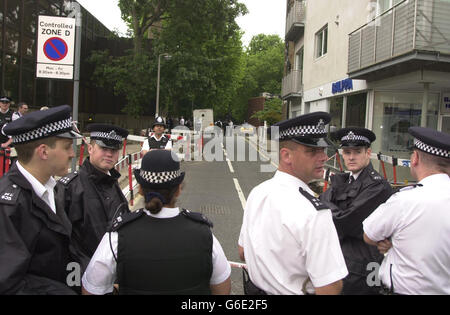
(209, 67)
(272, 112)
(128, 76)
(204, 41)
(261, 71)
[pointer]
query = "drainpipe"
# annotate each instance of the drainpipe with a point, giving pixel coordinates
(426, 89)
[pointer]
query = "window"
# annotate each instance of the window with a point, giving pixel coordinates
(356, 110)
(336, 108)
(384, 5)
(322, 42)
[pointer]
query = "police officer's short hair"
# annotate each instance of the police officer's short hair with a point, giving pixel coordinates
(25, 151)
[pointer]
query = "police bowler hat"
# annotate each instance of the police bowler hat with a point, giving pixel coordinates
(55, 122)
(431, 141)
(159, 169)
(107, 136)
(306, 129)
(355, 137)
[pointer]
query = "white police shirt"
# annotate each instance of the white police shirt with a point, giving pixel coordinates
(100, 274)
(418, 222)
(286, 240)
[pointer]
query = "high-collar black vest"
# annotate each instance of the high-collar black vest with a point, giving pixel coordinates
(155, 144)
(5, 119)
(164, 256)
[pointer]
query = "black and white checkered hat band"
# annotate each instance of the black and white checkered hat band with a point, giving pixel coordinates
(355, 138)
(106, 135)
(301, 131)
(45, 131)
(431, 150)
(159, 177)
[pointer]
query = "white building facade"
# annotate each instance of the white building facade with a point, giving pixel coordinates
(379, 64)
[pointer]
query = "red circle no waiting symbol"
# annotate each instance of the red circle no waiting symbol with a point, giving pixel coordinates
(55, 48)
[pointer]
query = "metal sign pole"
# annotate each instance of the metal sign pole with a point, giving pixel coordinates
(76, 10)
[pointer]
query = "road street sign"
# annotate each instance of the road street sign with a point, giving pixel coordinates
(55, 51)
(55, 48)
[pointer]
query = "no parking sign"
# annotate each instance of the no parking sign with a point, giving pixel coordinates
(56, 43)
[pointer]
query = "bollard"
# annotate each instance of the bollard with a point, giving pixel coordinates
(130, 180)
(80, 162)
(7, 159)
(2, 162)
(382, 165)
(327, 177)
(124, 147)
(394, 164)
(338, 159)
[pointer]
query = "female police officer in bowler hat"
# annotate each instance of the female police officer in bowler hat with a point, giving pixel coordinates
(159, 249)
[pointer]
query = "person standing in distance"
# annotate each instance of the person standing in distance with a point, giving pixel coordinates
(157, 139)
(22, 109)
(161, 249)
(352, 197)
(416, 222)
(91, 196)
(34, 231)
(287, 236)
(5, 119)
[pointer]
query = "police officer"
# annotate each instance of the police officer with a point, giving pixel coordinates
(416, 222)
(157, 139)
(287, 236)
(91, 195)
(352, 197)
(159, 249)
(5, 118)
(34, 230)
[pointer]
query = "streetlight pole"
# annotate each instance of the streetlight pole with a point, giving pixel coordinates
(167, 56)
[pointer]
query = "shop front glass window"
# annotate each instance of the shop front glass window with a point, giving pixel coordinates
(446, 124)
(336, 107)
(393, 114)
(356, 110)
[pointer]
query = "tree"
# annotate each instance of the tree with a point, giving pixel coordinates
(262, 71)
(141, 15)
(272, 112)
(204, 41)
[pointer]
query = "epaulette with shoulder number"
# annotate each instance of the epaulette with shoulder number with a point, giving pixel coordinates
(125, 218)
(10, 194)
(68, 178)
(375, 176)
(197, 217)
(410, 187)
(317, 203)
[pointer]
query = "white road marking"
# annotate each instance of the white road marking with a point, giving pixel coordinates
(240, 193)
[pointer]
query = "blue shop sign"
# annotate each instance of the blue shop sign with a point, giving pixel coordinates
(341, 86)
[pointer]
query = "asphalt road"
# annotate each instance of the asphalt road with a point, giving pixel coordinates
(212, 188)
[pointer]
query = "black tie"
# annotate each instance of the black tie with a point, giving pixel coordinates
(351, 179)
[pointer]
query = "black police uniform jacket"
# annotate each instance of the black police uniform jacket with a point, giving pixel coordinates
(92, 199)
(351, 204)
(34, 241)
(164, 256)
(4, 119)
